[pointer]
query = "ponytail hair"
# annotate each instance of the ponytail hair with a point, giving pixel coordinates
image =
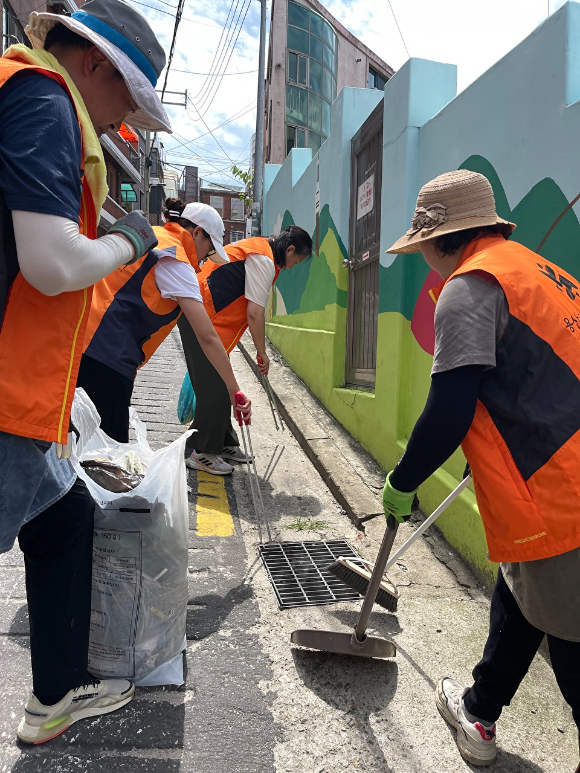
(293, 236)
(172, 212)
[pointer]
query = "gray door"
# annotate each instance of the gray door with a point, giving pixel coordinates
(365, 237)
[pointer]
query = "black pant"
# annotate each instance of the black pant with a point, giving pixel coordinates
(508, 654)
(213, 409)
(58, 552)
(111, 393)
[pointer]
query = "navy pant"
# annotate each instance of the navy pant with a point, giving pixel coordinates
(58, 551)
(508, 654)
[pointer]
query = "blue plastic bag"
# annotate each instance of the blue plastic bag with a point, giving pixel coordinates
(186, 402)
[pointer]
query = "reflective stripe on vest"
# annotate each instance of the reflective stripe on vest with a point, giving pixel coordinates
(524, 443)
(41, 336)
(129, 318)
(223, 289)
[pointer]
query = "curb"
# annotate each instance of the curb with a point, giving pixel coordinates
(350, 473)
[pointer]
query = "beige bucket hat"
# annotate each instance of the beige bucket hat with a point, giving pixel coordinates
(454, 201)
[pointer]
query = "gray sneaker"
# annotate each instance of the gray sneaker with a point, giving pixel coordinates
(42, 723)
(235, 454)
(475, 740)
(212, 463)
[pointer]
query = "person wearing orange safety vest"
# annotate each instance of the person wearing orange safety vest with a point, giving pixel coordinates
(135, 309)
(506, 386)
(83, 74)
(235, 296)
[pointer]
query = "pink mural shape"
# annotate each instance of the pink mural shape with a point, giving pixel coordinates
(423, 320)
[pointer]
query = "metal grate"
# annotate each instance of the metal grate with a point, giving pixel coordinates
(297, 570)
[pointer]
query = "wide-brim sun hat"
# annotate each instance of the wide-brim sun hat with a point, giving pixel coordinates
(452, 202)
(210, 220)
(126, 38)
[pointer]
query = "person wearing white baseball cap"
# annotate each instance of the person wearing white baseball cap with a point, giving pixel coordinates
(82, 77)
(134, 310)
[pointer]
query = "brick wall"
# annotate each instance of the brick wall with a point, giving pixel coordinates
(231, 225)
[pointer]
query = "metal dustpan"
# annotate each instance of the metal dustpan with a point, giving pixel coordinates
(345, 643)
(357, 642)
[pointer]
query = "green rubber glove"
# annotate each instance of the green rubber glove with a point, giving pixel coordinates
(397, 503)
(135, 227)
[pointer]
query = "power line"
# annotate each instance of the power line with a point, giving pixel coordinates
(207, 127)
(219, 44)
(244, 111)
(183, 18)
(400, 33)
(215, 75)
(214, 85)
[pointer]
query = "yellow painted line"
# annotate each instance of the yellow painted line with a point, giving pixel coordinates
(213, 509)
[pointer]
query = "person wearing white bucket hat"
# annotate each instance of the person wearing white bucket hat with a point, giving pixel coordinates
(82, 76)
(505, 384)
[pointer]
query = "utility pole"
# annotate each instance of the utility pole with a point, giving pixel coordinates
(259, 157)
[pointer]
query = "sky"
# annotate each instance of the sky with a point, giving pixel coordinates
(222, 36)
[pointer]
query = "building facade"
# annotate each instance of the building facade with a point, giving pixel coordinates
(311, 58)
(227, 202)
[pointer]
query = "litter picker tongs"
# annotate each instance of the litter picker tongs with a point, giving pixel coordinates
(253, 479)
(268, 389)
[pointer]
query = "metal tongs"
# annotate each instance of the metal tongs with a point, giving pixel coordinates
(268, 389)
(254, 481)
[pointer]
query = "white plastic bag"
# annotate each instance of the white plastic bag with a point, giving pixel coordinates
(140, 556)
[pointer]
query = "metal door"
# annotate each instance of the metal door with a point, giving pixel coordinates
(363, 260)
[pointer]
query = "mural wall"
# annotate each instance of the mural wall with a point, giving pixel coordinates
(519, 124)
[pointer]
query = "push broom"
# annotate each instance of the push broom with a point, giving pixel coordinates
(358, 642)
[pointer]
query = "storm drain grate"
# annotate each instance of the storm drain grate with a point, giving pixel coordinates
(297, 570)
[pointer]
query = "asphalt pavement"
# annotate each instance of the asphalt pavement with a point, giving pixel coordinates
(253, 703)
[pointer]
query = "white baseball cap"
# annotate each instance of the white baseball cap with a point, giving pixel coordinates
(208, 218)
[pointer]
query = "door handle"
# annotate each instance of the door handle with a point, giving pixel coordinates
(348, 262)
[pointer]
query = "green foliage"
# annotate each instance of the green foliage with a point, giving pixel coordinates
(247, 178)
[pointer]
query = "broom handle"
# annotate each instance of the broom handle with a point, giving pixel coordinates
(428, 521)
(376, 578)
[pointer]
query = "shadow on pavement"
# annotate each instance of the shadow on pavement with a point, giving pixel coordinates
(356, 686)
(206, 614)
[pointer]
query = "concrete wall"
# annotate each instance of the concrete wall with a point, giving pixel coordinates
(519, 125)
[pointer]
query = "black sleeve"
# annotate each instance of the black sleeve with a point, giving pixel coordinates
(40, 147)
(444, 423)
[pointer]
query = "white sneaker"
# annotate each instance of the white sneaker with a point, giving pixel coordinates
(211, 463)
(476, 741)
(235, 454)
(42, 723)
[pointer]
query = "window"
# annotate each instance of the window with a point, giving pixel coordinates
(297, 68)
(376, 80)
(316, 47)
(12, 31)
(325, 119)
(317, 25)
(328, 58)
(295, 138)
(327, 86)
(314, 142)
(296, 105)
(315, 80)
(315, 113)
(298, 15)
(236, 236)
(217, 202)
(237, 209)
(298, 40)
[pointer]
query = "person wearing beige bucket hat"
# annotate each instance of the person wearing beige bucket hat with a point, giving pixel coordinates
(83, 75)
(505, 385)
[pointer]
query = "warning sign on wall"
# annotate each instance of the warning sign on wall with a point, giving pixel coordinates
(365, 202)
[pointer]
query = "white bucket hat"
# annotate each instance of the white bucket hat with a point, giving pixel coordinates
(454, 201)
(127, 40)
(209, 219)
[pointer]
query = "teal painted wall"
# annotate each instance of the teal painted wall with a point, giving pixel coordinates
(519, 125)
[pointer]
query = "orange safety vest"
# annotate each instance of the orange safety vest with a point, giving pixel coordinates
(129, 319)
(223, 289)
(41, 336)
(524, 443)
